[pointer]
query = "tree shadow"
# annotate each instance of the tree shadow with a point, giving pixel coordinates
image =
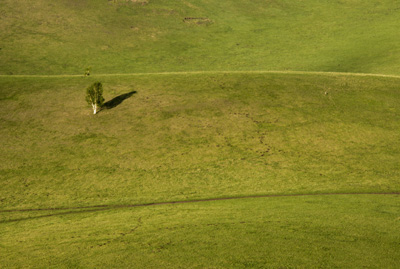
(117, 100)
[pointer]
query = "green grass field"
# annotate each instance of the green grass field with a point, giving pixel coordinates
(289, 110)
(123, 36)
(285, 232)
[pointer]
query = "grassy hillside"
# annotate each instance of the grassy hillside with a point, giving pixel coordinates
(197, 136)
(284, 232)
(120, 36)
(83, 191)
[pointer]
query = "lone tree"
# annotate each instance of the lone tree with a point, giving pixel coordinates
(94, 96)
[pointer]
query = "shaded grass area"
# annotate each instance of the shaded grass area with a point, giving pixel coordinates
(117, 100)
(318, 231)
(66, 37)
(196, 136)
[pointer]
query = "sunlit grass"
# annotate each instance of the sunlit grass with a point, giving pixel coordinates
(71, 182)
(66, 37)
(197, 136)
(317, 231)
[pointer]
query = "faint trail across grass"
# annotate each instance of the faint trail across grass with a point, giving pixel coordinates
(215, 72)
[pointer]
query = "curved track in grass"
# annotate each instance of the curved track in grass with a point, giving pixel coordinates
(107, 207)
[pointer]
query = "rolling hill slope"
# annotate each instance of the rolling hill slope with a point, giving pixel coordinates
(119, 36)
(293, 168)
(192, 136)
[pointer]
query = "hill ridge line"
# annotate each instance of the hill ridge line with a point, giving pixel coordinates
(214, 72)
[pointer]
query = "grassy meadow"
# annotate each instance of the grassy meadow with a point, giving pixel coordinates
(197, 136)
(200, 136)
(281, 232)
(124, 36)
(265, 103)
